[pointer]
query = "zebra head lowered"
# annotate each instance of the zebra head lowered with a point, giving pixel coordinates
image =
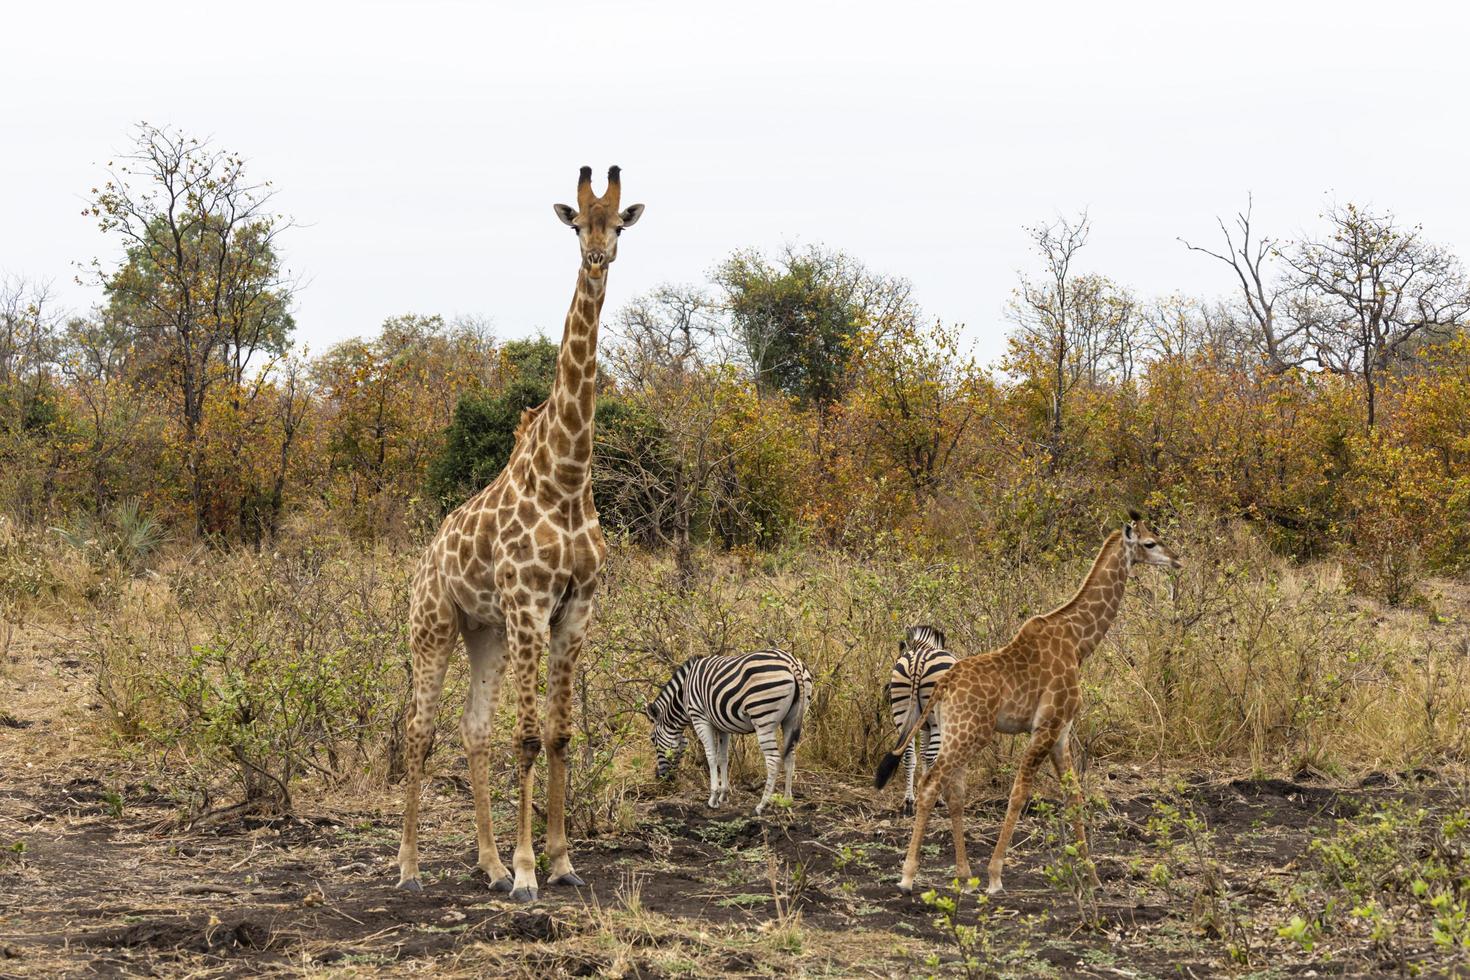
(670, 722)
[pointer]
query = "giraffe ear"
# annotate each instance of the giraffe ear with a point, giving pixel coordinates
(566, 213)
(630, 216)
(1128, 531)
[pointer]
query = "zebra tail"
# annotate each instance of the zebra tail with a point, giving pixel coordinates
(794, 736)
(888, 765)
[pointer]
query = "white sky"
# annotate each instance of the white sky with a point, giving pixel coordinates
(421, 145)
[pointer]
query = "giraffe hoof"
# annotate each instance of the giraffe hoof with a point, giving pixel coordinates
(523, 895)
(905, 889)
(994, 888)
(410, 885)
(502, 884)
(570, 878)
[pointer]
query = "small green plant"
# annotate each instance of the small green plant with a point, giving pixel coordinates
(850, 856)
(983, 953)
(114, 801)
(1070, 867)
(1191, 868)
(1399, 876)
(1301, 932)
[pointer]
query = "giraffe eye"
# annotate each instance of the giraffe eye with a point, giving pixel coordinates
(1150, 544)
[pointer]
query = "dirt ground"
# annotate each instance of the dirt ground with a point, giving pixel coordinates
(94, 882)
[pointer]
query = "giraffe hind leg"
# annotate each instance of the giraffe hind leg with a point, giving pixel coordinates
(432, 642)
(954, 758)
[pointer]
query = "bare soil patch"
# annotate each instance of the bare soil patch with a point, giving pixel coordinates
(101, 889)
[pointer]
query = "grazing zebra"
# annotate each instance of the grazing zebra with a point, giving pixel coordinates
(732, 695)
(922, 660)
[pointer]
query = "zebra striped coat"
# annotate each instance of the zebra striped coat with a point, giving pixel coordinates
(758, 692)
(922, 660)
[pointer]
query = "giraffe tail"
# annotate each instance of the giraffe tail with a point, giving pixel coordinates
(888, 765)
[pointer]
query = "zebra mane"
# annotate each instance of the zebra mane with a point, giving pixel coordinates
(923, 635)
(669, 696)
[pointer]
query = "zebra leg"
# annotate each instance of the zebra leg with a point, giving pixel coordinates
(770, 740)
(711, 757)
(722, 752)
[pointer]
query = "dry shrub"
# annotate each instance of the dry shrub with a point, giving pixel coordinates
(241, 674)
(246, 676)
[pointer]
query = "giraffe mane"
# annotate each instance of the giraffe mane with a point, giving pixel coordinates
(528, 419)
(1112, 542)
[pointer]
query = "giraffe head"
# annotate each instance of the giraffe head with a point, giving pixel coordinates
(1143, 545)
(597, 220)
(666, 712)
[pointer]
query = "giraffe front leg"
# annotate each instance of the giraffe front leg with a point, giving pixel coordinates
(1061, 760)
(566, 647)
(487, 654)
(431, 642)
(526, 635)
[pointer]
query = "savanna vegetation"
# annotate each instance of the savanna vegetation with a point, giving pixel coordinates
(216, 531)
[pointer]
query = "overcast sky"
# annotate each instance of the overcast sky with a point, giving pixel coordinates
(421, 145)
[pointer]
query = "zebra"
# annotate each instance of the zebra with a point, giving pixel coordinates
(922, 660)
(730, 695)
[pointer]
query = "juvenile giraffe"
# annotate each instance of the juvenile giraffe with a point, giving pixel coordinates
(1029, 685)
(513, 571)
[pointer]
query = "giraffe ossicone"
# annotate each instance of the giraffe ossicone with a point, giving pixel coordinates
(513, 570)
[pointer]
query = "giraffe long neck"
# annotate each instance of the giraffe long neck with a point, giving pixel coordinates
(573, 397)
(1092, 610)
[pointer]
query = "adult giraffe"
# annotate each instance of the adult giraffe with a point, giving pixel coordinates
(513, 570)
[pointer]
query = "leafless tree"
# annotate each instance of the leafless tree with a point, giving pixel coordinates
(1371, 288)
(666, 461)
(1281, 338)
(1045, 312)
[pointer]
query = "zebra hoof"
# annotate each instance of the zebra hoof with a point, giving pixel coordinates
(409, 885)
(571, 878)
(524, 895)
(908, 808)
